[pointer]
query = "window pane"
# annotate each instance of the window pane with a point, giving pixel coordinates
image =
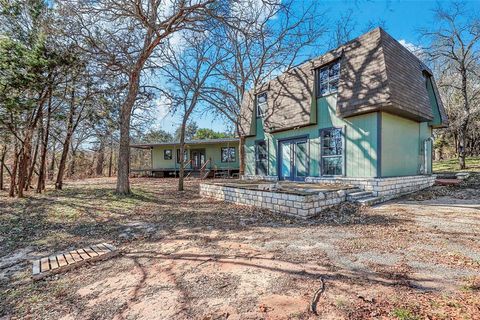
(323, 75)
(228, 154)
(334, 85)
(323, 89)
(334, 70)
(261, 103)
(332, 166)
(261, 158)
(262, 98)
(286, 159)
(301, 159)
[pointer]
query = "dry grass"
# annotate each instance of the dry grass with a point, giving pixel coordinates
(451, 165)
(185, 257)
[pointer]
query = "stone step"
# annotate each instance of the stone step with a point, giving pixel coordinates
(352, 190)
(369, 201)
(359, 195)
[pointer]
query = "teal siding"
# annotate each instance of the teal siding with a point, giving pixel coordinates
(437, 119)
(360, 141)
(212, 152)
(403, 146)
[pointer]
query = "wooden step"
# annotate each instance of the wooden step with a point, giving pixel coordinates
(67, 260)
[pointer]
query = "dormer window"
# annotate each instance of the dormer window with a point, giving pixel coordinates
(261, 104)
(327, 78)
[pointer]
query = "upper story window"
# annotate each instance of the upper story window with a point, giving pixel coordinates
(261, 104)
(327, 78)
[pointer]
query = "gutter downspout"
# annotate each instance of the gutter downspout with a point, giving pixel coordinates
(425, 147)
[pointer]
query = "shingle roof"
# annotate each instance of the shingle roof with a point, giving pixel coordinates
(187, 143)
(376, 74)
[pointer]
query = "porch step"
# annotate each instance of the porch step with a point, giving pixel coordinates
(369, 201)
(358, 195)
(199, 174)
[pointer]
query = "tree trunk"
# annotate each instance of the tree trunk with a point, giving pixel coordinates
(66, 143)
(100, 158)
(241, 153)
(24, 161)
(13, 176)
(32, 165)
(181, 173)
(43, 156)
(461, 148)
(51, 168)
(71, 168)
(2, 164)
(123, 175)
(110, 162)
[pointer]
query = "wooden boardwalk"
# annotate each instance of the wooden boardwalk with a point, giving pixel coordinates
(65, 261)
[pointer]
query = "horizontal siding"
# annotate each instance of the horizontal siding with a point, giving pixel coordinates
(360, 138)
(212, 151)
(401, 153)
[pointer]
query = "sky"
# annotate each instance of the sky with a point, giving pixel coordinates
(401, 18)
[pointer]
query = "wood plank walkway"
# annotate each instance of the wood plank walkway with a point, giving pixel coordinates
(66, 261)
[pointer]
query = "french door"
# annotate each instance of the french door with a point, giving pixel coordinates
(198, 159)
(293, 159)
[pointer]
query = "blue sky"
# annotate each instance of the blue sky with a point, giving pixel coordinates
(402, 19)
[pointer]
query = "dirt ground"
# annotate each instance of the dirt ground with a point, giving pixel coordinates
(186, 257)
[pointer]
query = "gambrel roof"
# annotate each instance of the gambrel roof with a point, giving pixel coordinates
(377, 73)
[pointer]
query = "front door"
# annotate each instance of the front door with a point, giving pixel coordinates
(293, 159)
(198, 159)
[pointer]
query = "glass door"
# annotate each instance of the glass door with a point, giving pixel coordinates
(198, 159)
(293, 159)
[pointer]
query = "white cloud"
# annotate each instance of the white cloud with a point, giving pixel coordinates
(162, 105)
(416, 50)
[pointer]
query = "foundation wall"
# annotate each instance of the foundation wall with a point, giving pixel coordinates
(301, 206)
(386, 188)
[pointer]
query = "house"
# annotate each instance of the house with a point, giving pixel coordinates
(361, 114)
(202, 158)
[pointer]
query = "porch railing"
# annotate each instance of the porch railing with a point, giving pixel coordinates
(204, 168)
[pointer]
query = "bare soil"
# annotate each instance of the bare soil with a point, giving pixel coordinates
(186, 257)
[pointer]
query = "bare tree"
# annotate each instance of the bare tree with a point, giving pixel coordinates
(454, 46)
(131, 31)
(268, 38)
(187, 68)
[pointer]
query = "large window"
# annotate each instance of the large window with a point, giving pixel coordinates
(185, 155)
(327, 78)
(261, 104)
(228, 154)
(261, 158)
(167, 154)
(332, 152)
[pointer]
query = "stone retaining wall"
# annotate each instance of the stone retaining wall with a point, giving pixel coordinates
(386, 188)
(255, 177)
(298, 205)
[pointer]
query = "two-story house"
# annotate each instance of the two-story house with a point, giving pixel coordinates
(362, 111)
